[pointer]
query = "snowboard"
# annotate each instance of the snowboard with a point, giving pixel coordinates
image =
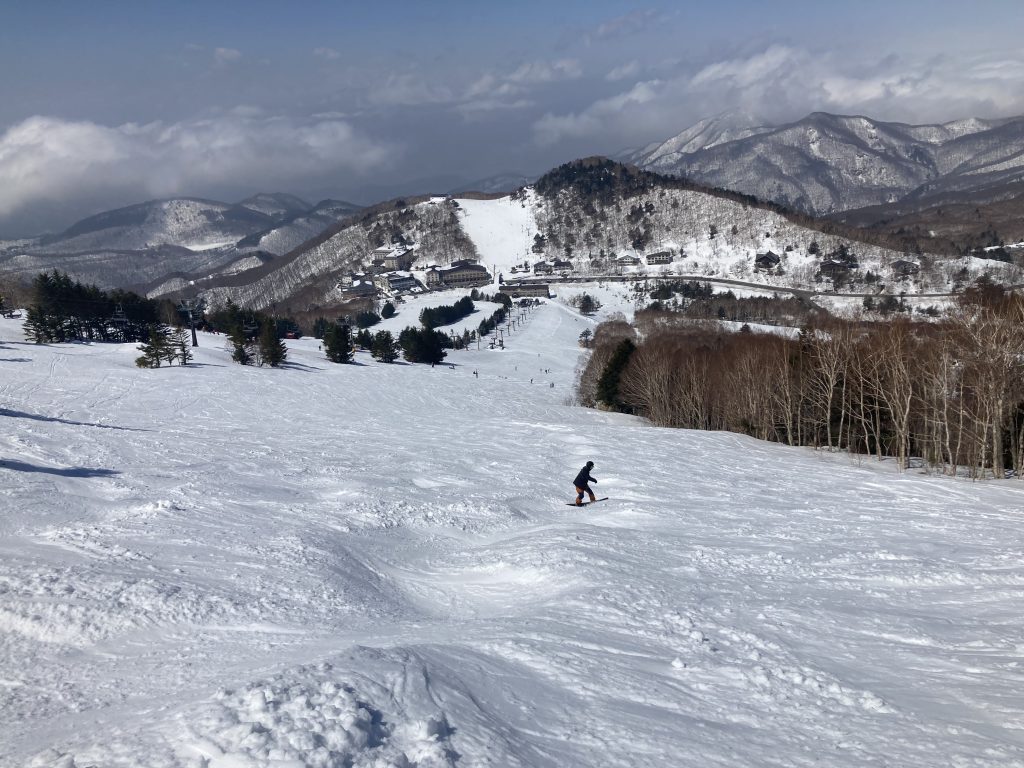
(573, 504)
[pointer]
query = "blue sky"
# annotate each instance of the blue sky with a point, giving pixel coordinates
(105, 104)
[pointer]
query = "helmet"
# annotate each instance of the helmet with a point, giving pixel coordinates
(590, 464)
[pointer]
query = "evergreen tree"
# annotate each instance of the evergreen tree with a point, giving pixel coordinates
(364, 338)
(608, 383)
(338, 343)
(228, 319)
(422, 346)
(62, 310)
(366, 319)
(384, 347)
(388, 310)
(169, 351)
(273, 351)
(241, 351)
(35, 325)
(433, 344)
(156, 349)
(181, 343)
(432, 317)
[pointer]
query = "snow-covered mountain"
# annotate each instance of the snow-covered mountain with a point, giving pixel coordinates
(826, 163)
(278, 204)
(662, 156)
(592, 212)
(139, 244)
(310, 273)
(184, 222)
(588, 213)
(297, 227)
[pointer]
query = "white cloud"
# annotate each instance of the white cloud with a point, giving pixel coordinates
(744, 73)
(48, 159)
(551, 129)
(939, 90)
(625, 71)
(409, 90)
(326, 53)
(479, 108)
(532, 72)
(628, 24)
(491, 92)
(782, 83)
(226, 55)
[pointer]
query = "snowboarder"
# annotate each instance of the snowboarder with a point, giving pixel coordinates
(581, 484)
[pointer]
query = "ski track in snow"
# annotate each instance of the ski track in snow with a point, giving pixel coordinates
(374, 566)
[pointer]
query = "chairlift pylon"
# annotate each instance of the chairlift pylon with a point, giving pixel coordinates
(119, 317)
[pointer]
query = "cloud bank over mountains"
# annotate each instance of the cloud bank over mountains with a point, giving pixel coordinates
(360, 103)
(47, 159)
(783, 83)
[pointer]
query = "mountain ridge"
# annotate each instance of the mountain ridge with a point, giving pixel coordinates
(135, 245)
(824, 164)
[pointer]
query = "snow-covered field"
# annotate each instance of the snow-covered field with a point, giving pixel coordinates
(374, 565)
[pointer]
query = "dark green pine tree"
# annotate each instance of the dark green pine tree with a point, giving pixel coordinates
(156, 350)
(273, 352)
(241, 352)
(422, 346)
(338, 343)
(320, 327)
(409, 343)
(384, 347)
(364, 338)
(433, 344)
(608, 383)
(35, 325)
(587, 304)
(388, 310)
(181, 346)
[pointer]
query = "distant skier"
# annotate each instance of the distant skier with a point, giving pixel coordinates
(581, 484)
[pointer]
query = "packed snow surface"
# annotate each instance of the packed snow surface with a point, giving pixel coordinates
(374, 565)
(502, 231)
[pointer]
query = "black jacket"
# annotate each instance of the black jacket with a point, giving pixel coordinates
(583, 478)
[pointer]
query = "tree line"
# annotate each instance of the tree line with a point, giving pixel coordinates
(254, 338)
(950, 392)
(63, 310)
(433, 317)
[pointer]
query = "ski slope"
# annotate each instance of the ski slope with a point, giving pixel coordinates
(502, 230)
(373, 565)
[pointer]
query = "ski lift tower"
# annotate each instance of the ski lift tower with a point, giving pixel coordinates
(192, 307)
(119, 320)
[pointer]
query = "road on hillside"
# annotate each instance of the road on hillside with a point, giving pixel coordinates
(800, 292)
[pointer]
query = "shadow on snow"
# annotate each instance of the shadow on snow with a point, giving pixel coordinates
(22, 466)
